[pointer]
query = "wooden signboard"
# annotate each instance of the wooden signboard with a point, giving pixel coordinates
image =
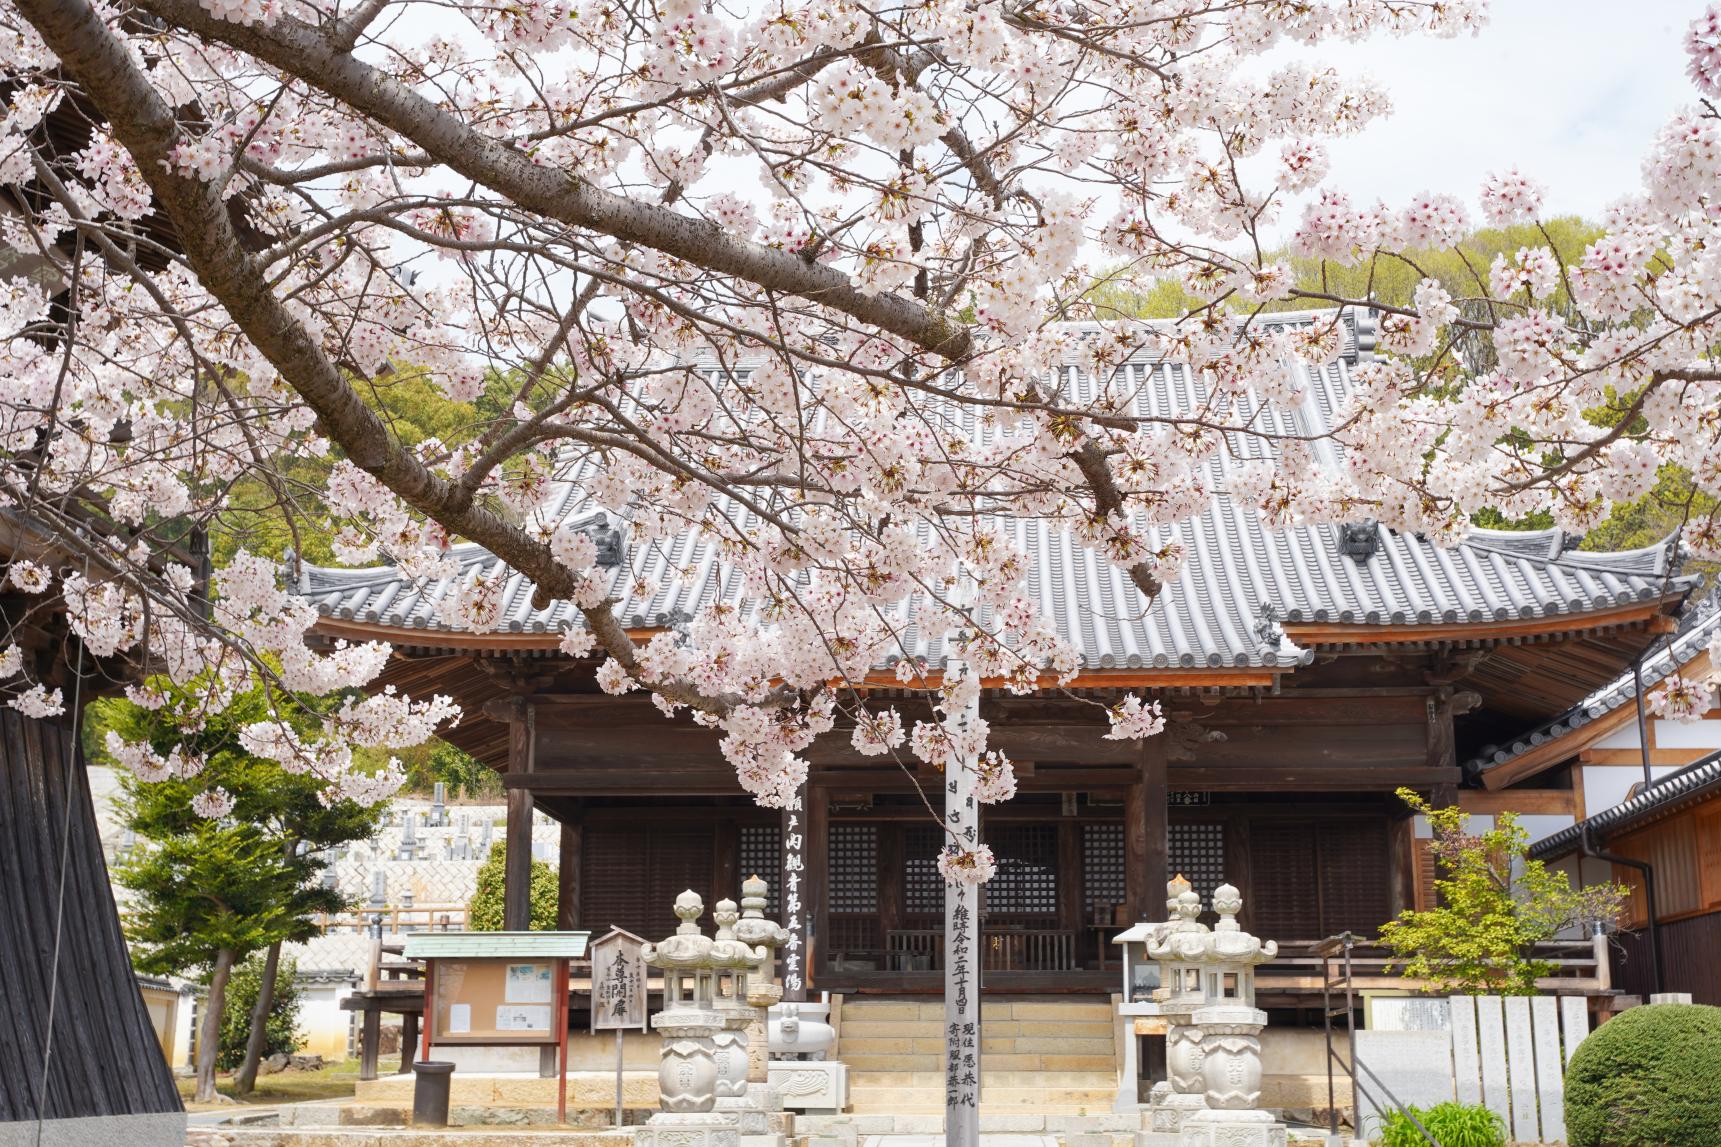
(618, 993)
(498, 989)
(618, 982)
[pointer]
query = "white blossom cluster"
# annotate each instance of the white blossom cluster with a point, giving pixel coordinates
(789, 281)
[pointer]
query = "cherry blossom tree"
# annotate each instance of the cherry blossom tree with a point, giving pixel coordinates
(794, 275)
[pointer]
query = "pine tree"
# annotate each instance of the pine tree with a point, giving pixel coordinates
(207, 893)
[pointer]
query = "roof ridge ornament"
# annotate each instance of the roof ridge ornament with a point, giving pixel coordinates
(1360, 541)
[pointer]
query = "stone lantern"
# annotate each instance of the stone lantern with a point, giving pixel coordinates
(1229, 1027)
(1176, 946)
(743, 1086)
(687, 1075)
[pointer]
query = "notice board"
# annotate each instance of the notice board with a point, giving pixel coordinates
(495, 1000)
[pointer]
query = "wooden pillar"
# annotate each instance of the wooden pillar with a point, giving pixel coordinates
(568, 889)
(517, 867)
(1146, 834)
(725, 850)
(1071, 887)
(891, 870)
(1401, 859)
(815, 886)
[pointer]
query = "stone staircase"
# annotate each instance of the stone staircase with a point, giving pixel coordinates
(1039, 1055)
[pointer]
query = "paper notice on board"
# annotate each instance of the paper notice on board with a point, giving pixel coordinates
(459, 1019)
(527, 984)
(523, 1018)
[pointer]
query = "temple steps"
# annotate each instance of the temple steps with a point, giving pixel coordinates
(1038, 1054)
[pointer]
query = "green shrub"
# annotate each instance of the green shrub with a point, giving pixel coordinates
(1451, 1124)
(1649, 1077)
(280, 1031)
(484, 911)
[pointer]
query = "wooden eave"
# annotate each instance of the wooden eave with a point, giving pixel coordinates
(1315, 634)
(1567, 745)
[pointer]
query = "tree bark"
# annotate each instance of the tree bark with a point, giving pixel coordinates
(209, 1039)
(247, 1077)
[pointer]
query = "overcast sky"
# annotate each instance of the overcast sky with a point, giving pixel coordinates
(1570, 91)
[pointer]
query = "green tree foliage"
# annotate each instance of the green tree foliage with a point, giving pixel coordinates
(206, 893)
(1495, 905)
(436, 760)
(484, 913)
(1463, 271)
(1649, 1077)
(281, 1035)
(1451, 1124)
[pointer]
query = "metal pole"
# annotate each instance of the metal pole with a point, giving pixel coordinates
(961, 959)
(618, 1071)
(1642, 725)
(1327, 1024)
(1350, 1028)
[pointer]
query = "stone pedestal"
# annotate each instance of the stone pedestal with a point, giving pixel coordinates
(811, 1087)
(689, 1129)
(1220, 1128)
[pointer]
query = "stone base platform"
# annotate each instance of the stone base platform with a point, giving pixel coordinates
(515, 1099)
(405, 1137)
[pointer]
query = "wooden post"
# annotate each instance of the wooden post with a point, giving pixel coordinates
(1146, 834)
(568, 890)
(408, 1040)
(370, 1040)
(561, 998)
(815, 888)
(517, 869)
(961, 950)
(429, 1024)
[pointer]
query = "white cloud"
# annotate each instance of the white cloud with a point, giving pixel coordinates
(1569, 91)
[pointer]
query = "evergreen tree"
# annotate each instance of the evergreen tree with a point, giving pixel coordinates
(208, 892)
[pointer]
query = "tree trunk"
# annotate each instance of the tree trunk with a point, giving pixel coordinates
(209, 1039)
(247, 1077)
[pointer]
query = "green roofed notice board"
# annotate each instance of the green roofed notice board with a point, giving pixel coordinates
(496, 945)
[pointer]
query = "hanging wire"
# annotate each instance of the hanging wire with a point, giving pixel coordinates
(60, 895)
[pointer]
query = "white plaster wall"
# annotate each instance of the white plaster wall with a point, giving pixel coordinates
(322, 1021)
(1608, 785)
(1704, 734)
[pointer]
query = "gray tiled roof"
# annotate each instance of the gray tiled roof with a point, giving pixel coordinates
(1693, 781)
(1219, 612)
(1700, 622)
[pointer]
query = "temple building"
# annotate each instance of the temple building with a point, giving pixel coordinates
(1306, 673)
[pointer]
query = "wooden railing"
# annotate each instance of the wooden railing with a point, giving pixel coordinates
(1002, 949)
(1580, 968)
(418, 918)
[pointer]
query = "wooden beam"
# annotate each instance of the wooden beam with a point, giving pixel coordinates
(1331, 633)
(1527, 801)
(1311, 780)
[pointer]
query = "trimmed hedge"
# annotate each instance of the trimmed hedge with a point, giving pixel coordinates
(1649, 1077)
